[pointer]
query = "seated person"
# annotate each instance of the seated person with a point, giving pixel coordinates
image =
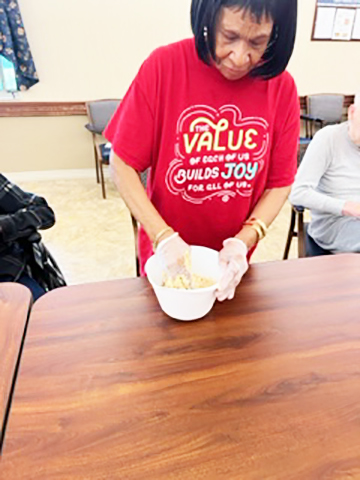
(21, 214)
(328, 183)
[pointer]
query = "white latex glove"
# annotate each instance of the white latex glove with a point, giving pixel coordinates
(233, 265)
(171, 254)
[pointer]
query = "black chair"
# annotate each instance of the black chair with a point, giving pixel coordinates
(312, 249)
(310, 125)
(327, 107)
(307, 247)
(321, 110)
(99, 113)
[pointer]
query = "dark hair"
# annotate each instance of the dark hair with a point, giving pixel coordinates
(205, 15)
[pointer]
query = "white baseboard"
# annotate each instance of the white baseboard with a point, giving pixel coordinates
(54, 175)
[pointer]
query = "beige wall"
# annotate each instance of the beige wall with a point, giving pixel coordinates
(88, 49)
(44, 143)
(325, 66)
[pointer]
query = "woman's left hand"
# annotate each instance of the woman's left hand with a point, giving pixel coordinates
(233, 265)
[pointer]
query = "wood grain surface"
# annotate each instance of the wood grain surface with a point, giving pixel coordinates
(55, 109)
(14, 308)
(267, 386)
(41, 109)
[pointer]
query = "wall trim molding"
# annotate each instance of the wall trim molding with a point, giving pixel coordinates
(67, 109)
(41, 109)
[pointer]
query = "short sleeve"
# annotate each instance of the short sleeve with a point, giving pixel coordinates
(131, 129)
(283, 163)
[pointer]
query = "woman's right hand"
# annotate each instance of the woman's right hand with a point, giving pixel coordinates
(234, 264)
(171, 254)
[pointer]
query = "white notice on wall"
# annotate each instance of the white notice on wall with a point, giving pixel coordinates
(324, 22)
(356, 29)
(344, 22)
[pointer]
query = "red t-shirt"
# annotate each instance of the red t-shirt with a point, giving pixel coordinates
(213, 145)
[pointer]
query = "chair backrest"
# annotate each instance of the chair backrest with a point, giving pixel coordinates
(100, 113)
(327, 107)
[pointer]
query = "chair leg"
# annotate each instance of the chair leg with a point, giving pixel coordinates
(291, 234)
(102, 180)
(136, 236)
(97, 170)
(96, 160)
(301, 236)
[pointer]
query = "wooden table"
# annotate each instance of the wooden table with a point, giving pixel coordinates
(266, 387)
(15, 301)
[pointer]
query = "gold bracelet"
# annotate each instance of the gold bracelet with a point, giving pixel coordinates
(258, 225)
(159, 235)
(261, 224)
(257, 230)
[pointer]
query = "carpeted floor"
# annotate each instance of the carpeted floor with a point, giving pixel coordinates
(93, 239)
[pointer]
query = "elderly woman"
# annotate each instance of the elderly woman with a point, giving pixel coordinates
(216, 118)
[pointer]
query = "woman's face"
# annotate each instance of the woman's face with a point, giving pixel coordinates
(240, 42)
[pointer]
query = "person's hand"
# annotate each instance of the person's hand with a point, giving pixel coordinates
(171, 254)
(233, 265)
(351, 209)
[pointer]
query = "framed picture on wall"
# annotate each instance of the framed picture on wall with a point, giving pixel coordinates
(337, 20)
(356, 30)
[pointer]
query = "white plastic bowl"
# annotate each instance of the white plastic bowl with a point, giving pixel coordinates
(184, 304)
